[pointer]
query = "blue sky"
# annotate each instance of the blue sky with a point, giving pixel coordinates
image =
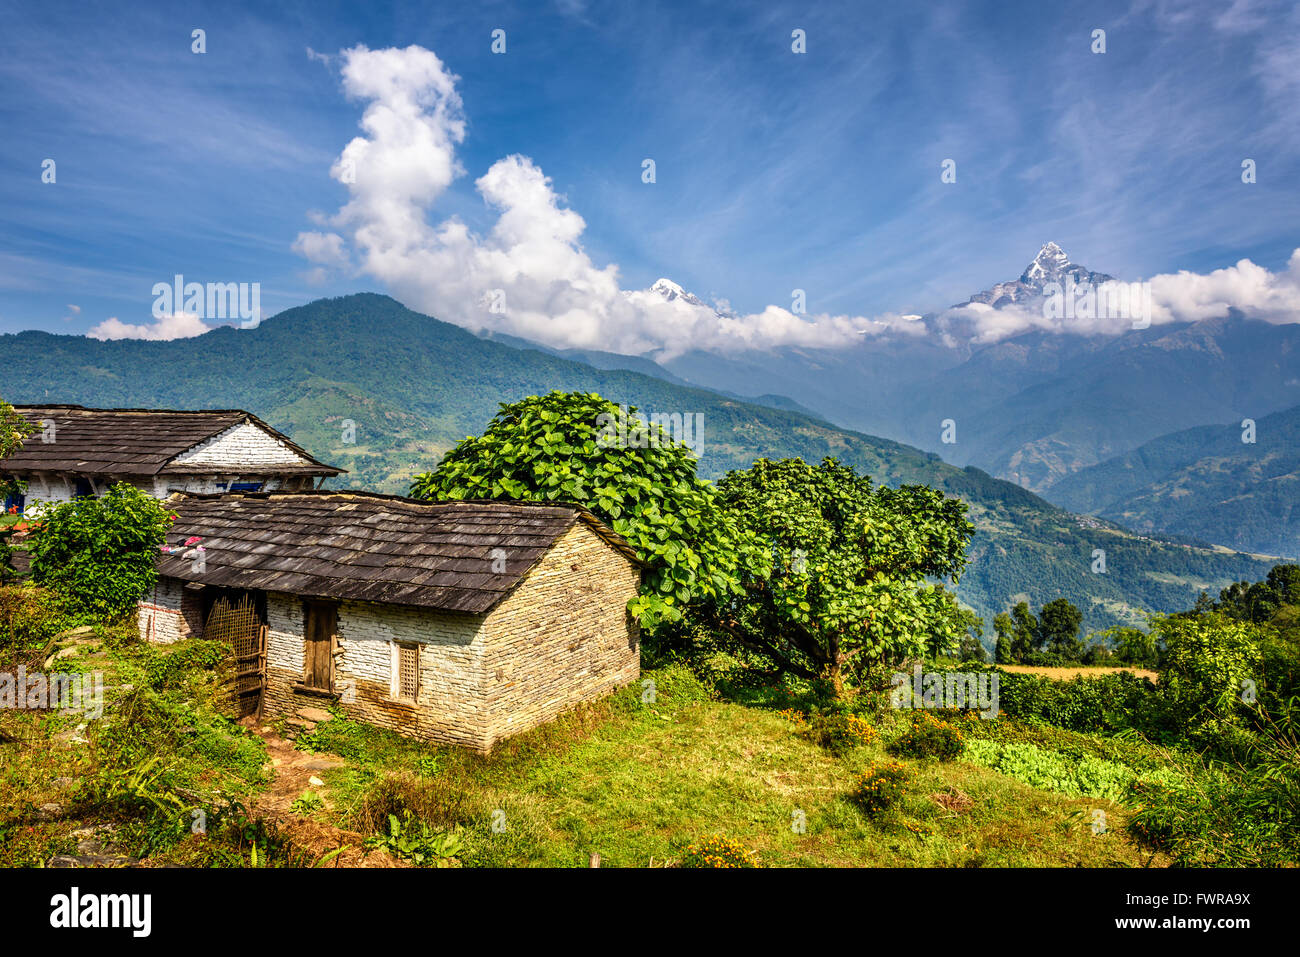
(774, 170)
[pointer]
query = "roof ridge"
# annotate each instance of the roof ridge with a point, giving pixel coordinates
(385, 497)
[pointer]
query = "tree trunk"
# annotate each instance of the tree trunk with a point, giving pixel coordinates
(834, 669)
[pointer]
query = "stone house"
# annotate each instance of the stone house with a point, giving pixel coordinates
(77, 451)
(455, 622)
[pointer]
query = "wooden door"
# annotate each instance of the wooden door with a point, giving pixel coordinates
(321, 621)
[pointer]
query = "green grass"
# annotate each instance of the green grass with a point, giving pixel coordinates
(636, 783)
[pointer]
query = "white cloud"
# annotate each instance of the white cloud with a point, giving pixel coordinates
(530, 276)
(531, 265)
(1184, 296)
(177, 325)
(325, 249)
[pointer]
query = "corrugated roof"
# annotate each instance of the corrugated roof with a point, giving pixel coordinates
(369, 547)
(135, 441)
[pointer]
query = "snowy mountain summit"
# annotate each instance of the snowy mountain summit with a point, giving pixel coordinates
(671, 291)
(1051, 265)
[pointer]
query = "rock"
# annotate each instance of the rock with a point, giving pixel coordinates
(47, 811)
(319, 764)
(77, 632)
(315, 782)
(96, 841)
(91, 860)
(300, 724)
(314, 714)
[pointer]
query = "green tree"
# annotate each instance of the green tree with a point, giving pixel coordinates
(1260, 601)
(100, 553)
(580, 448)
(1210, 664)
(1058, 629)
(1024, 631)
(846, 582)
(1004, 628)
(1133, 646)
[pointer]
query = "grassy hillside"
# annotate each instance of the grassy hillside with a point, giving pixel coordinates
(634, 783)
(1205, 483)
(414, 386)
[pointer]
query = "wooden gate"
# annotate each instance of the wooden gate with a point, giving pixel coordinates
(239, 627)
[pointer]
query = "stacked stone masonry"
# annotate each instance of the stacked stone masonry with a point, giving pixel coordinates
(562, 637)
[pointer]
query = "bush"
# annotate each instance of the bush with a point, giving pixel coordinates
(1105, 703)
(930, 737)
(405, 796)
(880, 786)
(1208, 660)
(838, 733)
(99, 553)
(30, 616)
(719, 852)
(1224, 817)
(170, 668)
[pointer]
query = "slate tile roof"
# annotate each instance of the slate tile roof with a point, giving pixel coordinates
(369, 547)
(134, 441)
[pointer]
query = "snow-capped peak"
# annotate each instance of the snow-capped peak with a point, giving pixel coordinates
(671, 291)
(1050, 263)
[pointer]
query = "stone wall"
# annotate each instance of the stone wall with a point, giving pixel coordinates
(245, 445)
(160, 618)
(450, 708)
(563, 635)
(560, 638)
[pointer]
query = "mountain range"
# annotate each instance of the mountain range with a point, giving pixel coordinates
(411, 386)
(1038, 407)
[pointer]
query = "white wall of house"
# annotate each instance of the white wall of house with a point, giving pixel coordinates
(160, 618)
(50, 489)
(241, 446)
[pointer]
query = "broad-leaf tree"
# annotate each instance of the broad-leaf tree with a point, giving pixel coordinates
(581, 448)
(848, 582)
(1058, 628)
(99, 553)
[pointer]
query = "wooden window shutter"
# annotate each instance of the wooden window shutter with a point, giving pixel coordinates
(408, 672)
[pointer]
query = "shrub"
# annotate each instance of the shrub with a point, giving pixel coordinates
(880, 786)
(719, 852)
(838, 733)
(99, 553)
(930, 737)
(1208, 658)
(168, 669)
(30, 616)
(1105, 703)
(404, 796)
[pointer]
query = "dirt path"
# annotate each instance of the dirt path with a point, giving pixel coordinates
(296, 772)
